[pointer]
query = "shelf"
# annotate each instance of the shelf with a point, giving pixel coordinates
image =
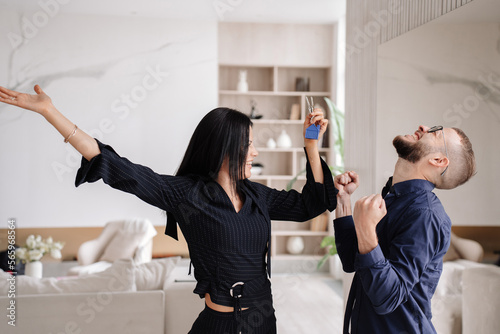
(275, 177)
(277, 121)
(292, 149)
(303, 233)
(273, 93)
(269, 105)
(287, 76)
(262, 66)
(297, 257)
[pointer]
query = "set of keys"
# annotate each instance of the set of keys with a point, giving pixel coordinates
(312, 132)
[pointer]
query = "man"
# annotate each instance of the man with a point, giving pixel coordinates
(395, 244)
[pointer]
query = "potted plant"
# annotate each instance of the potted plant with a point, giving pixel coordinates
(33, 251)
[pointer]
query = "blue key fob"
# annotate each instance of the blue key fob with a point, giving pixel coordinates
(312, 132)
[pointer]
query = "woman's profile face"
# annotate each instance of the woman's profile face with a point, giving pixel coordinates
(252, 153)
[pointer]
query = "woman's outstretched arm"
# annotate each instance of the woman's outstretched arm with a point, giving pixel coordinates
(42, 104)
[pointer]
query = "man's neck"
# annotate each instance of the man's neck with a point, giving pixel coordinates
(405, 171)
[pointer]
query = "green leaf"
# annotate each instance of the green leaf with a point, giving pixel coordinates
(333, 250)
(329, 240)
(322, 261)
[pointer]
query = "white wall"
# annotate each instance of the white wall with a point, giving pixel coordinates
(369, 24)
(89, 65)
(445, 74)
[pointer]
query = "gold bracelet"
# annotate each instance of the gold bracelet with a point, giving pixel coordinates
(71, 135)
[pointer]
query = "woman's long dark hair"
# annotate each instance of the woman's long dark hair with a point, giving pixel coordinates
(223, 132)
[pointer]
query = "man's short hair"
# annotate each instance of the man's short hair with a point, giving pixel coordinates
(462, 164)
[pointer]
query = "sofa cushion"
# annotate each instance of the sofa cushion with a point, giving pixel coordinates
(447, 314)
(450, 282)
(119, 277)
(122, 246)
(89, 269)
(152, 275)
(481, 300)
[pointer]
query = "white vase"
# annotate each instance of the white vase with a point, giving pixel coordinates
(242, 83)
(33, 269)
(271, 143)
(284, 140)
(336, 267)
(295, 245)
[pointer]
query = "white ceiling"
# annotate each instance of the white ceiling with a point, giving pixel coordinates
(279, 11)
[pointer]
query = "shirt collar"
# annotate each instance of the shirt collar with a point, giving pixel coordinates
(411, 186)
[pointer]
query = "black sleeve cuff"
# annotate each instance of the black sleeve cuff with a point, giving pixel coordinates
(89, 170)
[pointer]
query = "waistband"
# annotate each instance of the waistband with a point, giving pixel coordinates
(224, 292)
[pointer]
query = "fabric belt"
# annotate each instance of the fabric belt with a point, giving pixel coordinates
(238, 290)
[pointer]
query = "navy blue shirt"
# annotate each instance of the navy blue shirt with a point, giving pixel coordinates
(394, 283)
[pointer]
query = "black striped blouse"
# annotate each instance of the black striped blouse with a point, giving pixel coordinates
(225, 246)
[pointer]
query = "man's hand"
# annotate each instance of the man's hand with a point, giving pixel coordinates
(368, 211)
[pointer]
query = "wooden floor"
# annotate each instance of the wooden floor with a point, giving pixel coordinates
(307, 303)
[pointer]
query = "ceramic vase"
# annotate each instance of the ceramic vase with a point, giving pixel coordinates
(284, 140)
(336, 267)
(242, 83)
(271, 143)
(33, 269)
(295, 245)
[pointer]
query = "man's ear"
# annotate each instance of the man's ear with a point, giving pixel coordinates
(439, 161)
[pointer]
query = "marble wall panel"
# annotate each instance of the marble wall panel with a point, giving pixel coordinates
(139, 84)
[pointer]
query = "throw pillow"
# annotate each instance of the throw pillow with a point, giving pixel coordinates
(89, 269)
(122, 246)
(5, 282)
(451, 254)
(119, 277)
(4, 275)
(152, 275)
(450, 282)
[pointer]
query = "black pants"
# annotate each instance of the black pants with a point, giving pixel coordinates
(251, 321)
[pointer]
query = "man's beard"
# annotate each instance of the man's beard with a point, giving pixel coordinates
(410, 151)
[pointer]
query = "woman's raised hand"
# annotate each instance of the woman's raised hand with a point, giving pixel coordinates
(316, 117)
(346, 183)
(42, 104)
(39, 102)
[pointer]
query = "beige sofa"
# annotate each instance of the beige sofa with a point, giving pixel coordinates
(156, 297)
(451, 305)
(481, 300)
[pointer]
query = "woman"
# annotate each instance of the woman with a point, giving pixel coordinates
(224, 217)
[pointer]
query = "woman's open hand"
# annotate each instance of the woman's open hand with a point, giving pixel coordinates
(39, 102)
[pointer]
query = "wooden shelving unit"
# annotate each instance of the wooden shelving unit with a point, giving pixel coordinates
(271, 88)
